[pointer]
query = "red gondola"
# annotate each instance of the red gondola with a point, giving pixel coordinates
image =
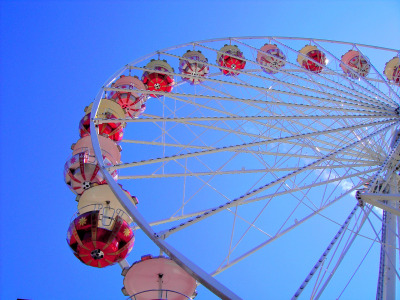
(232, 58)
(97, 246)
(114, 131)
(158, 81)
(317, 59)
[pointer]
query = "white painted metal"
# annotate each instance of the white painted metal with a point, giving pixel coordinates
(324, 255)
(200, 275)
(388, 274)
(235, 147)
(343, 254)
(349, 102)
(245, 118)
(286, 136)
(271, 239)
(242, 198)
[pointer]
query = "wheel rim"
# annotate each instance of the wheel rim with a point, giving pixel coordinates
(315, 134)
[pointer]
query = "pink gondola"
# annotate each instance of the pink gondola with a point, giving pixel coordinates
(271, 58)
(194, 63)
(133, 102)
(158, 278)
(81, 171)
(354, 64)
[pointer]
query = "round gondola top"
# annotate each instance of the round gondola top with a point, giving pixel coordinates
(152, 273)
(356, 62)
(392, 70)
(317, 59)
(156, 77)
(271, 58)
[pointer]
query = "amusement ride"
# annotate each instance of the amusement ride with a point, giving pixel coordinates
(231, 145)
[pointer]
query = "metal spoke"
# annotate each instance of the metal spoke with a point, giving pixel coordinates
(236, 157)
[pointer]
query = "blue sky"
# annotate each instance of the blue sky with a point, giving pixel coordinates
(55, 55)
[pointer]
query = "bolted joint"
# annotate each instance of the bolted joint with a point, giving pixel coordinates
(360, 203)
(359, 200)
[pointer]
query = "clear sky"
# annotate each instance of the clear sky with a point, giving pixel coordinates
(55, 55)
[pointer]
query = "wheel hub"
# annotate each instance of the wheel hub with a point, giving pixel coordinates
(97, 254)
(86, 185)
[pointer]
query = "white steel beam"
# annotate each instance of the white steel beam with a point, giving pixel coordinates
(195, 271)
(247, 196)
(324, 255)
(275, 194)
(276, 236)
(373, 196)
(343, 254)
(389, 247)
(242, 118)
(153, 176)
(235, 147)
(358, 108)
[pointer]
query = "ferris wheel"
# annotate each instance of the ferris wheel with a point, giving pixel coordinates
(232, 146)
